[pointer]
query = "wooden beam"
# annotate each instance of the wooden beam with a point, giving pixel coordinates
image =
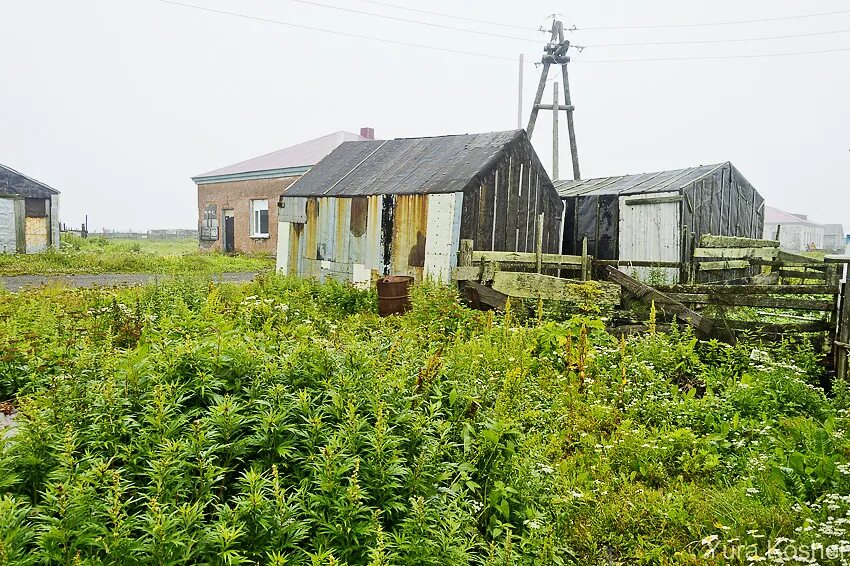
(837, 259)
(464, 253)
(647, 294)
(797, 258)
(796, 274)
(754, 289)
(754, 301)
(528, 258)
(709, 241)
(737, 253)
(636, 263)
(535, 285)
(652, 200)
(482, 296)
(723, 265)
(775, 328)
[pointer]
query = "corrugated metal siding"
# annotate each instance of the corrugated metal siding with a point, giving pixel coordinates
(443, 236)
(8, 239)
(650, 232)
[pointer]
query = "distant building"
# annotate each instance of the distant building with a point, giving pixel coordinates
(833, 238)
(237, 204)
(658, 216)
(796, 232)
(29, 213)
(401, 207)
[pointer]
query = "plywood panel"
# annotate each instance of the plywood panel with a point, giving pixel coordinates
(36, 234)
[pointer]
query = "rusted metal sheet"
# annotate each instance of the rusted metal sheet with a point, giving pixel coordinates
(410, 227)
(292, 209)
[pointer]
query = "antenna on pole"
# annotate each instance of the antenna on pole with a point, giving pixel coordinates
(555, 53)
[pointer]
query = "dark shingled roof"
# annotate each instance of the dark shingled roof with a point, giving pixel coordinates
(444, 164)
(636, 184)
(13, 183)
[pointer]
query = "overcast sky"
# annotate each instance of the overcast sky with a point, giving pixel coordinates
(117, 103)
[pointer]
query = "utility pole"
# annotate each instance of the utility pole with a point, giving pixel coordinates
(519, 93)
(555, 164)
(555, 53)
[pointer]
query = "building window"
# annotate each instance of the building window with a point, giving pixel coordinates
(259, 218)
(209, 223)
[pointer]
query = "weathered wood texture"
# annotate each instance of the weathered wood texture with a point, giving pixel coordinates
(537, 286)
(648, 294)
(842, 341)
(753, 289)
(754, 301)
(548, 260)
(709, 241)
(500, 212)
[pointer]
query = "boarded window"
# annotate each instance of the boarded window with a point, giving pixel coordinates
(36, 207)
(209, 223)
(359, 214)
(259, 218)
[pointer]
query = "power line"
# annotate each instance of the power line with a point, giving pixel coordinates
(710, 24)
(334, 32)
(707, 57)
(712, 41)
(453, 16)
(483, 55)
(419, 22)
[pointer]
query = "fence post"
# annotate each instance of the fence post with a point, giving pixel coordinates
(464, 253)
(585, 263)
(842, 343)
(539, 247)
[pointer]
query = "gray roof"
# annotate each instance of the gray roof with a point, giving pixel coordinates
(13, 183)
(443, 164)
(641, 183)
(301, 155)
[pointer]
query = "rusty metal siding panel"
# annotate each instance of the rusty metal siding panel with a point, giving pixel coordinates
(311, 236)
(373, 253)
(292, 209)
(410, 226)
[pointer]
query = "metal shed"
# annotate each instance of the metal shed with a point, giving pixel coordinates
(29, 213)
(400, 207)
(658, 216)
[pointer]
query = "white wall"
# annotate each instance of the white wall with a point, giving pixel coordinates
(795, 237)
(8, 239)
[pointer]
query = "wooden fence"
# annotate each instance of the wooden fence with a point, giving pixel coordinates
(757, 289)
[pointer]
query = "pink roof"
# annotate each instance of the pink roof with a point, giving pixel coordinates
(776, 216)
(304, 154)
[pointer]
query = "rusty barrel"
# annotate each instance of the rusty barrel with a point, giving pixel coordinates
(393, 294)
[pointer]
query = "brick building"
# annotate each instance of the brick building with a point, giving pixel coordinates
(237, 204)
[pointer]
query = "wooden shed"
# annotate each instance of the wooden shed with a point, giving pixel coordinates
(400, 207)
(658, 216)
(29, 213)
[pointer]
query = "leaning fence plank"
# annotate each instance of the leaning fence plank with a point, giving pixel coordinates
(647, 294)
(737, 253)
(535, 285)
(723, 265)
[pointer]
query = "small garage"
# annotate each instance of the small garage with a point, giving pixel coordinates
(29, 213)
(658, 216)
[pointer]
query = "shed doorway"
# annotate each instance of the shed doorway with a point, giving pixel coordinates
(229, 218)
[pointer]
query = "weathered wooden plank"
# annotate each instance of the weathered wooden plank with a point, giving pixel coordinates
(514, 179)
(636, 263)
(797, 274)
(536, 285)
(723, 265)
(482, 296)
(464, 253)
(526, 257)
(709, 241)
(754, 289)
(737, 253)
(788, 257)
(837, 259)
(501, 204)
(466, 273)
(842, 354)
(765, 278)
(754, 301)
(653, 200)
(648, 294)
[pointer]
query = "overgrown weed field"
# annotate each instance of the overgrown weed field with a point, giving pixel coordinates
(284, 422)
(97, 254)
